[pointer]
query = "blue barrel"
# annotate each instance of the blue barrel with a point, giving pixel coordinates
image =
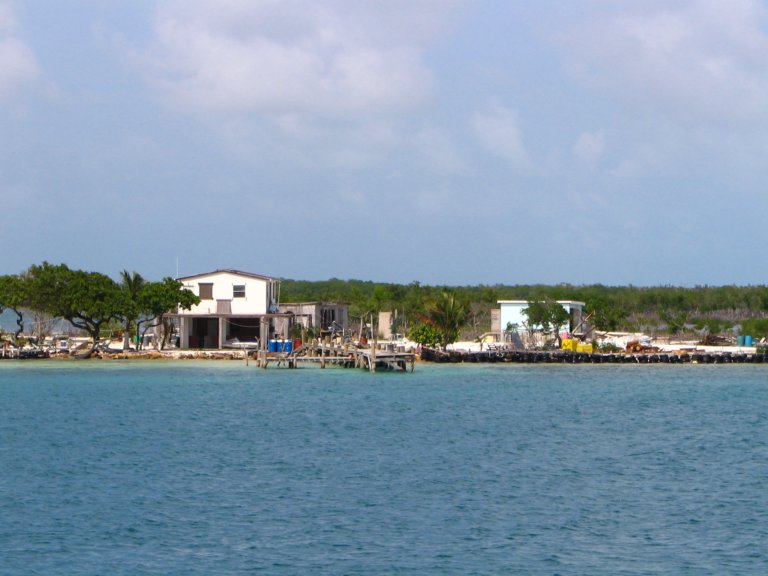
(288, 346)
(274, 346)
(740, 340)
(747, 340)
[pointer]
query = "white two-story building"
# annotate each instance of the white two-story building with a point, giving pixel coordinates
(232, 306)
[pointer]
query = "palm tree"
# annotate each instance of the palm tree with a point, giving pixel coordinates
(448, 314)
(131, 284)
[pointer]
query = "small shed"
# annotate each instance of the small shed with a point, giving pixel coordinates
(321, 316)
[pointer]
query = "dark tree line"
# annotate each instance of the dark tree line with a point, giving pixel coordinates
(611, 308)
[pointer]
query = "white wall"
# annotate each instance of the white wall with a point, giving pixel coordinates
(256, 299)
(512, 311)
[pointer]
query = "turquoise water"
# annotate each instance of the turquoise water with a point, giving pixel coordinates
(218, 468)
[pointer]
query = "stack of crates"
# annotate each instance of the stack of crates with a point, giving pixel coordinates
(573, 345)
(570, 344)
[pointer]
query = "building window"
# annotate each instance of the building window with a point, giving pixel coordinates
(327, 317)
(238, 291)
(206, 291)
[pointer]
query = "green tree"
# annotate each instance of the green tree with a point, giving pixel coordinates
(411, 303)
(87, 300)
(426, 335)
(757, 327)
(156, 299)
(674, 319)
(14, 295)
(548, 315)
(447, 313)
(712, 325)
(131, 283)
(605, 314)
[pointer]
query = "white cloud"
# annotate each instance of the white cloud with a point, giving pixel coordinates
(17, 61)
(589, 147)
(498, 131)
(294, 56)
(693, 60)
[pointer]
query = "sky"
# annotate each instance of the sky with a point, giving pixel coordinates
(450, 142)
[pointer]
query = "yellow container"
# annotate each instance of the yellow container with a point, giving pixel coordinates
(587, 348)
(569, 344)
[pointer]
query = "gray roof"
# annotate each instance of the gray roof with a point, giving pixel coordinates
(233, 272)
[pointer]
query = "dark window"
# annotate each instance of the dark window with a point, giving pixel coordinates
(327, 317)
(238, 291)
(206, 291)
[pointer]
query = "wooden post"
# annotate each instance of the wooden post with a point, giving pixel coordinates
(375, 334)
(263, 339)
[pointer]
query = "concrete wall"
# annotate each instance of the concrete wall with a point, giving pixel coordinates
(496, 321)
(385, 325)
(256, 300)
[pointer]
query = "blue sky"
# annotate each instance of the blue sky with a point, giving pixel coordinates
(445, 142)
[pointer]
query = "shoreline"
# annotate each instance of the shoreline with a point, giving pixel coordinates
(568, 357)
(699, 355)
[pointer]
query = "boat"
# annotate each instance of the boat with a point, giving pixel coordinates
(234, 343)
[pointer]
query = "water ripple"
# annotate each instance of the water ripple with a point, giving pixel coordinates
(201, 469)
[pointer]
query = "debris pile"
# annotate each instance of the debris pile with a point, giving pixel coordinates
(636, 347)
(715, 340)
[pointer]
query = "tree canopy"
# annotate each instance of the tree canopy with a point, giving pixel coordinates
(90, 301)
(87, 300)
(156, 299)
(14, 296)
(447, 313)
(548, 316)
(611, 308)
(92, 298)
(131, 283)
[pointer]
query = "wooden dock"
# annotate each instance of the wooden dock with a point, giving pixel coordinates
(346, 356)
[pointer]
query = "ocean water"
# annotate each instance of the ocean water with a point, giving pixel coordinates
(222, 468)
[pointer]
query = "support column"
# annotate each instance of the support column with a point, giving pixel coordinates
(183, 333)
(222, 331)
(263, 341)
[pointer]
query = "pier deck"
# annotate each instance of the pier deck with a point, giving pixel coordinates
(369, 359)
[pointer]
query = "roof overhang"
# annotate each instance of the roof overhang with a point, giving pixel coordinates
(231, 272)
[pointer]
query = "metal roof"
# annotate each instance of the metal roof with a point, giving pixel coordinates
(232, 272)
